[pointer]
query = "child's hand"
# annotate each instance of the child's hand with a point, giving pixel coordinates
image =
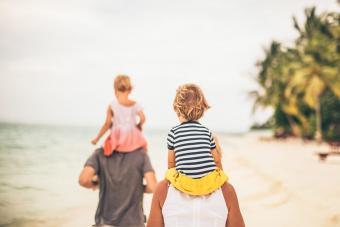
(94, 141)
(139, 126)
(95, 182)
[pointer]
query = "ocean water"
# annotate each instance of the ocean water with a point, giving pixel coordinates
(39, 169)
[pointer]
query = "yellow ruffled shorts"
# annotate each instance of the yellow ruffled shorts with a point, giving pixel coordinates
(200, 186)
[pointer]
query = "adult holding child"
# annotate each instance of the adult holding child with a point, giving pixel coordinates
(196, 191)
(121, 164)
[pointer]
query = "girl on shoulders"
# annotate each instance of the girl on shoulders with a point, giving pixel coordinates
(121, 118)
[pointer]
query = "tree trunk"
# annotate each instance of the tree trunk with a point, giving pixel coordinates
(296, 131)
(318, 134)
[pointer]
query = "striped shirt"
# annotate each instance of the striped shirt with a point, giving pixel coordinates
(192, 144)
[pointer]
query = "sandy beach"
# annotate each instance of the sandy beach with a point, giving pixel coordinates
(282, 183)
(279, 183)
(72, 72)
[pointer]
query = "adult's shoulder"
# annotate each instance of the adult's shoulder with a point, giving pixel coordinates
(93, 160)
(228, 188)
(98, 151)
(96, 154)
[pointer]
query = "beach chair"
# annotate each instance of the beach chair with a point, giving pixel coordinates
(334, 149)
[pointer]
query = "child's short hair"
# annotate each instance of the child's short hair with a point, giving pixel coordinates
(190, 102)
(122, 83)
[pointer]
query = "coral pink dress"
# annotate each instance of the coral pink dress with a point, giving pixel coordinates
(124, 136)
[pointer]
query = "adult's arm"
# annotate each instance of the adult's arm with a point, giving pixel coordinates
(151, 182)
(90, 171)
(86, 176)
(156, 218)
(235, 218)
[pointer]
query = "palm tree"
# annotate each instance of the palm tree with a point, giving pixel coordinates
(275, 72)
(267, 78)
(292, 80)
(318, 59)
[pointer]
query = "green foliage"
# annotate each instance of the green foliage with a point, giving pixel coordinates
(281, 127)
(302, 83)
(266, 125)
(312, 126)
(330, 109)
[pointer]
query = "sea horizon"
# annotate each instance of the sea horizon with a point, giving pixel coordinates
(97, 127)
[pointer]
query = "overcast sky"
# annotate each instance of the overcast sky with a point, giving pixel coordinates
(58, 58)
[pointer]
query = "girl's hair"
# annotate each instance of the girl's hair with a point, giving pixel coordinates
(122, 83)
(189, 102)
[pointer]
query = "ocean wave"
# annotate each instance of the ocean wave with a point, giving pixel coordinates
(25, 222)
(20, 188)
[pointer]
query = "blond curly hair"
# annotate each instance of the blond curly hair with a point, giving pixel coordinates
(190, 102)
(122, 83)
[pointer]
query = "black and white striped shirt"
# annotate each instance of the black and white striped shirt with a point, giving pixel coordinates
(192, 144)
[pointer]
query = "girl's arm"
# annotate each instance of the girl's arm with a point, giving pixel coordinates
(106, 126)
(141, 119)
(217, 158)
(171, 159)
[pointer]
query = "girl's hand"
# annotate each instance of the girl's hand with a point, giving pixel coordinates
(141, 120)
(94, 141)
(95, 182)
(139, 126)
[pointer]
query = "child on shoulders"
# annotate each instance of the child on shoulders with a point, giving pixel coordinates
(126, 134)
(193, 160)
